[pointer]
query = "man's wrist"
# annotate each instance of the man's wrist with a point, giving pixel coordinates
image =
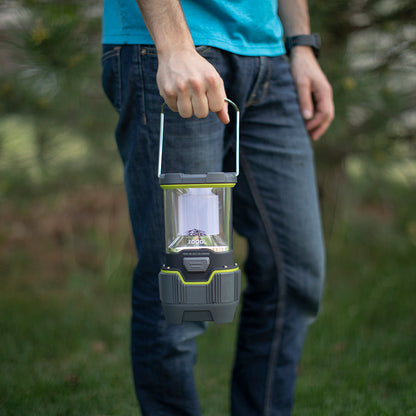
(166, 49)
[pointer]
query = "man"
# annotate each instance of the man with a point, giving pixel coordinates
(192, 55)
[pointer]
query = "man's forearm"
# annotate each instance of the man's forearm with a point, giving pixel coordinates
(166, 23)
(294, 15)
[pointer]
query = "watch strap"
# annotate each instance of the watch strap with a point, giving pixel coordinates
(313, 40)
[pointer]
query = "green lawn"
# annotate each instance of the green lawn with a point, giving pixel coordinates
(65, 263)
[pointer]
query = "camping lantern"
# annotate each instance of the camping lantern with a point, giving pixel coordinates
(199, 281)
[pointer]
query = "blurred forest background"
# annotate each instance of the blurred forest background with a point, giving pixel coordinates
(66, 253)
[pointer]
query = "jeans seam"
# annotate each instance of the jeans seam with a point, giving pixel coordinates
(119, 79)
(264, 69)
(279, 320)
(109, 54)
(140, 76)
(112, 58)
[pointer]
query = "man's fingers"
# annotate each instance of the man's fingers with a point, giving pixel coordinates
(319, 123)
(216, 95)
(305, 99)
(316, 121)
(316, 104)
(324, 112)
(184, 105)
(198, 98)
(188, 106)
(317, 129)
(170, 98)
(200, 105)
(223, 114)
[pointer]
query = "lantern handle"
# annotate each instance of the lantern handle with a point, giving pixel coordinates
(237, 138)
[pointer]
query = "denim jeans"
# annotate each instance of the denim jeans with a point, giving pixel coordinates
(275, 208)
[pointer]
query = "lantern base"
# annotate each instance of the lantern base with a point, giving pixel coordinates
(214, 300)
(220, 314)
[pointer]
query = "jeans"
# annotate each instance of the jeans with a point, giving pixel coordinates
(275, 208)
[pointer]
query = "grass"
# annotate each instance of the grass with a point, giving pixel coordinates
(65, 262)
(358, 359)
(64, 307)
(359, 355)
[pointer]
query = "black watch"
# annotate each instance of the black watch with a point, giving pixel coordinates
(313, 40)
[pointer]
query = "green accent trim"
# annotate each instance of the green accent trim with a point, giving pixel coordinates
(198, 185)
(199, 283)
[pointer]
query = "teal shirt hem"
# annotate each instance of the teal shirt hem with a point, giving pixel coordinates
(248, 50)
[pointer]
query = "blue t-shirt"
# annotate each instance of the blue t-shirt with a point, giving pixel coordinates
(244, 27)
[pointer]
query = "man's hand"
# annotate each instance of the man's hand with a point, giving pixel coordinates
(190, 84)
(314, 91)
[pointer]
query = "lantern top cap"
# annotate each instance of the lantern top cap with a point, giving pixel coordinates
(211, 179)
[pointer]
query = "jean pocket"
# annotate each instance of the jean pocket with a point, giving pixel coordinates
(203, 49)
(110, 76)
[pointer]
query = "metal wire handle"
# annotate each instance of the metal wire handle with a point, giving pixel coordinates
(237, 138)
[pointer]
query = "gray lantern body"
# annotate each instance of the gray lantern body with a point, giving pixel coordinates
(199, 281)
